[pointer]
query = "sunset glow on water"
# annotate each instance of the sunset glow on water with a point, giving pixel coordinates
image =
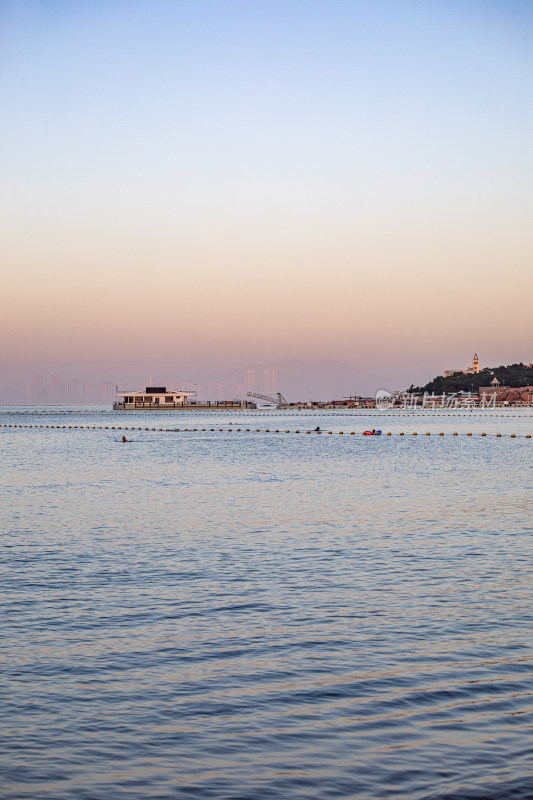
(236, 614)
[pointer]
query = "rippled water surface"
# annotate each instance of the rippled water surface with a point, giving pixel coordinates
(233, 614)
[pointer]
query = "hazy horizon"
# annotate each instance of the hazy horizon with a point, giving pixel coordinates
(326, 379)
(189, 190)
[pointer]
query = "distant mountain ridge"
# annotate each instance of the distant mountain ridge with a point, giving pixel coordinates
(510, 375)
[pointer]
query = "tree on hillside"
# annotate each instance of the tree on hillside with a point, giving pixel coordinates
(511, 375)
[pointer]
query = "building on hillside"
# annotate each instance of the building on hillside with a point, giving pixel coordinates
(473, 370)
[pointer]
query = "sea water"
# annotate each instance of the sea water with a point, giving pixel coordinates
(250, 614)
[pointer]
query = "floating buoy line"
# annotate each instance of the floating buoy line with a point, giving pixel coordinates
(356, 414)
(257, 430)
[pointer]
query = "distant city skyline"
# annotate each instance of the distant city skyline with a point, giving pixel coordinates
(53, 389)
(299, 381)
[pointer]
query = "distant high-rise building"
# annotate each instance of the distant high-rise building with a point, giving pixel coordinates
(57, 390)
(36, 392)
(73, 391)
(107, 392)
(250, 380)
(92, 394)
(270, 381)
(214, 391)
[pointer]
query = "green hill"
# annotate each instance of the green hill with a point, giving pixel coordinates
(511, 375)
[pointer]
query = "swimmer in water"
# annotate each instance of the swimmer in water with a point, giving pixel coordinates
(124, 439)
(317, 428)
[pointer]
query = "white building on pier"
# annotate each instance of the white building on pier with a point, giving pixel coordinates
(153, 397)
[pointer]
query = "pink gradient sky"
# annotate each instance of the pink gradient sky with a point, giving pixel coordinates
(233, 184)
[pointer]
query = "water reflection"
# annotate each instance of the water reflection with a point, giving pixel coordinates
(258, 615)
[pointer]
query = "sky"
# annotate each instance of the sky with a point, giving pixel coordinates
(192, 188)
